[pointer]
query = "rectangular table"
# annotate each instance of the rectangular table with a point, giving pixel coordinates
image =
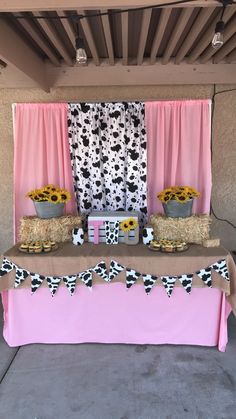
(111, 313)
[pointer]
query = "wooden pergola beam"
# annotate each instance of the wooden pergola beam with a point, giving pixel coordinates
(208, 35)
(164, 17)
(225, 50)
(229, 31)
(54, 38)
(108, 38)
(197, 26)
(48, 5)
(14, 51)
(146, 17)
(40, 41)
(125, 37)
(176, 33)
(89, 37)
(67, 25)
(231, 58)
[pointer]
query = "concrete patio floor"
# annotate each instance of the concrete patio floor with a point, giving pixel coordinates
(118, 381)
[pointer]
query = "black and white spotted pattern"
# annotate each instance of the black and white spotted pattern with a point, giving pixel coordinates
(21, 275)
(148, 235)
(112, 232)
(205, 275)
(109, 156)
(78, 236)
(6, 267)
(70, 282)
(131, 277)
(86, 278)
(101, 270)
(169, 283)
(186, 280)
(221, 268)
(53, 283)
(36, 281)
(149, 281)
(115, 269)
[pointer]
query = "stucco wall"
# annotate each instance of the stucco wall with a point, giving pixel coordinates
(224, 142)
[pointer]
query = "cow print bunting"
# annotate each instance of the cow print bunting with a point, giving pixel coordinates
(186, 280)
(86, 278)
(70, 282)
(169, 283)
(221, 268)
(115, 269)
(205, 275)
(101, 270)
(108, 152)
(53, 283)
(21, 275)
(36, 281)
(112, 232)
(149, 281)
(6, 267)
(131, 277)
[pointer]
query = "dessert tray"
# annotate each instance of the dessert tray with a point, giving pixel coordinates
(168, 246)
(35, 248)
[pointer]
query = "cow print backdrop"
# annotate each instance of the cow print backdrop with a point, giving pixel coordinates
(108, 156)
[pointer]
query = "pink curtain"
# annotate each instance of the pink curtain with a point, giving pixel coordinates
(179, 149)
(41, 154)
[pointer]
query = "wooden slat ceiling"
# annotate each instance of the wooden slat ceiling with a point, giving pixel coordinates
(135, 39)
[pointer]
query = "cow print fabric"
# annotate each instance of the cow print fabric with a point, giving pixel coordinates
(205, 275)
(21, 275)
(112, 232)
(115, 269)
(6, 267)
(186, 281)
(70, 282)
(149, 281)
(131, 277)
(169, 283)
(108, 156)
(101, 270)
(148, 235)
(86, 278)
(221, 268)
(36, 281)
(53, 283)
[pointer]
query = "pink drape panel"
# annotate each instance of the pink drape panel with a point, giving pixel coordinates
(179, 151)
(41, 154)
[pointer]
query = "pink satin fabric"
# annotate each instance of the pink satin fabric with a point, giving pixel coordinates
(178, 150)
(41, 154)
(111, 314)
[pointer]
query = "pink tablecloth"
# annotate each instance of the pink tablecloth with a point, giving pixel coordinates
(111, 314)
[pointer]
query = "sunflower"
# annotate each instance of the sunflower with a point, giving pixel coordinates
(132, 223)
(124, 225)
(166, 198)
(54, 197)
(36, 198)
(64, 195)
(182, 198)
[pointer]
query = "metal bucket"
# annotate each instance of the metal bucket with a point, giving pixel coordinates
(48, 210)
(177, 209)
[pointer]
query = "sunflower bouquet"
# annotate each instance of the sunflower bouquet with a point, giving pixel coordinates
(128, 224)
(181, 194)
(49, 193)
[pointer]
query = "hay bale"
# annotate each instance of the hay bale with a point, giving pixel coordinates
(57, 229)
(192, 229)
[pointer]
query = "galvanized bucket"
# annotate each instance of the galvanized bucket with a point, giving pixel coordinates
(177, 209)
(48, 210)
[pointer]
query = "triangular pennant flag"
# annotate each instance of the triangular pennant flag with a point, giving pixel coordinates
(186, 280)
(53, 283)
(205, 275)
(131, 277)
(86, 278)
(21, 275)
(221, 268)
(6, 267)
(149, 281)
(115, 269)
(169, 283)
(70, 282)
(36, 281)
(101, 270)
